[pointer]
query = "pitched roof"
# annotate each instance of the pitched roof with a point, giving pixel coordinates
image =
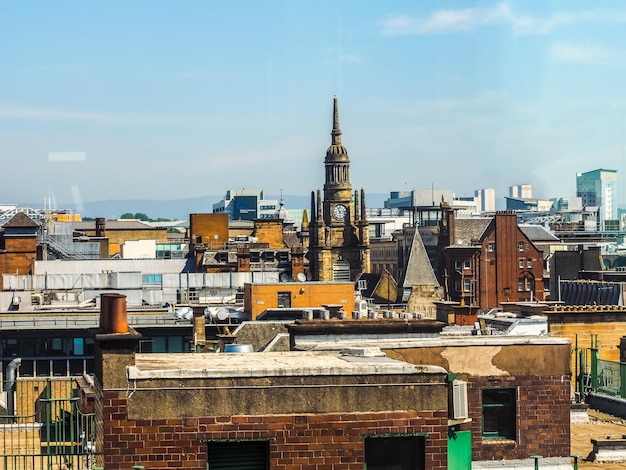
(469, 231)
(419, 271)
(20, 220)
(372, 280)
(537, 233)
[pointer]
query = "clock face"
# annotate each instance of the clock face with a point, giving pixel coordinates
(339, 211)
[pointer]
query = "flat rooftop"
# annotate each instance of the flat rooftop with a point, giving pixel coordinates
(357, 361)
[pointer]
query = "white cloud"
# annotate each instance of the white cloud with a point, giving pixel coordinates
(470, 19)
(585, 54)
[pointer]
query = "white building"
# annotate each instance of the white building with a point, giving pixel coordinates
(521, 191)
(485, 199)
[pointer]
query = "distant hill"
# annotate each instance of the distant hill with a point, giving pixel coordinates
(179, 209)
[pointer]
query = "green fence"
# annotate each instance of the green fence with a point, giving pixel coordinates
(598, 375)
(49, 424)
(609, 378)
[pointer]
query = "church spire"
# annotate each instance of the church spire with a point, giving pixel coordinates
(336, 132)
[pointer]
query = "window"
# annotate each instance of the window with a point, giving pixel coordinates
(227, 455)
(521, 246)
(284, 300)
(499, 414)
(521, 263)
(152, 279)
(529, 263)
(457, 264)
(491, 247)
(467, 264)
(525, 284)
(395, 453)
(467, 285)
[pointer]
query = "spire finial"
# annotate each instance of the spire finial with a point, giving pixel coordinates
(336, 132)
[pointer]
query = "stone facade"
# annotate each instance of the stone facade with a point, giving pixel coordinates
(339, 246)
(607, 323)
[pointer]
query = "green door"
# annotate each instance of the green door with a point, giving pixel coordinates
(459, 450)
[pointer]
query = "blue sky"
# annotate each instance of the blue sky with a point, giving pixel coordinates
(165, 100)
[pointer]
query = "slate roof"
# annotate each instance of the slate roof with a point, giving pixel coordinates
(419, 271)
(537, 233)
(469, 231)
(372, 280)
(291, 239)
(20, 220)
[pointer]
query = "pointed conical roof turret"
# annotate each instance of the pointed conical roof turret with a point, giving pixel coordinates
(336, 151)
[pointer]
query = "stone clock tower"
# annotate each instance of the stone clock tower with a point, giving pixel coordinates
(339, 247)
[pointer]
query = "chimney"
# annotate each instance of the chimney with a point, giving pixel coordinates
(113, 314)
(100, 226)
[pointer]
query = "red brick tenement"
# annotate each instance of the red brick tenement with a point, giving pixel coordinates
(319, 441)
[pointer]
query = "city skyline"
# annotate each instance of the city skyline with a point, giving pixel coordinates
(166, 100)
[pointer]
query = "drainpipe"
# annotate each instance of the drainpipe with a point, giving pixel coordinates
(11, 377)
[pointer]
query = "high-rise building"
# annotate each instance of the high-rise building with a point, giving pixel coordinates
(522, 191)
(339, 246)
(485, 199)
(599, 188)
(246, 204)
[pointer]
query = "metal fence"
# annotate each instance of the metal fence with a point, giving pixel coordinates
(49, 424)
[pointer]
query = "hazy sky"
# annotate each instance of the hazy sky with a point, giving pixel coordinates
(176, 99)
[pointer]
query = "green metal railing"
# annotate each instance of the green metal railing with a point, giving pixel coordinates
(598, 375)
(46, 428)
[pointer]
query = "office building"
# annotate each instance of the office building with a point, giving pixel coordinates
(599, 188)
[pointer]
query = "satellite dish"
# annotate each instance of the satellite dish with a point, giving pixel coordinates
(301, 277)
(284, 277)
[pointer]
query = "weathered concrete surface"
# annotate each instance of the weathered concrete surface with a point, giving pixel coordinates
(176, 385)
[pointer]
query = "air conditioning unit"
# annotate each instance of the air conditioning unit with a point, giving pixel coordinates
(458, 405)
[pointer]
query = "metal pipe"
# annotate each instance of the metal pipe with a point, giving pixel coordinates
(11, 377)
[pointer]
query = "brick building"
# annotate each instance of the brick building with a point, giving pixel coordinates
(287, 410)
(516, 408)
(18, 244)
(269, 245)
(117, 232)
(259, 297)
(485, 262)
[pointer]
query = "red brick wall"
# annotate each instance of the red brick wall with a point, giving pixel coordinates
(297, 441)
(543, 420)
